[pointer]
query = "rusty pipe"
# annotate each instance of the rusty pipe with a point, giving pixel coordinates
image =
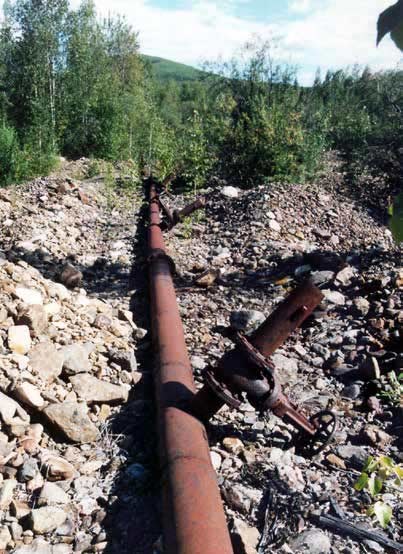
(235, 372)
(193, 516)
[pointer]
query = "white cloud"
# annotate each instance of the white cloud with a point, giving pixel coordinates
(300, 6)
(325, 33)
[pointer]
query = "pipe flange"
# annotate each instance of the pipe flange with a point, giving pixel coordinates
(159, 254)
(221, 390)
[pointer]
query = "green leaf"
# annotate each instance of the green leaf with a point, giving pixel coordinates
(370, 465)
(386, 462)
(383, 513)
(362, 482)
(375, 485)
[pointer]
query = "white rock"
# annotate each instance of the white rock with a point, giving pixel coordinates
(29, 296)
(47, 519)
(51, 495)
(274, 225)
(334, 297)
(11, 412)
(53, 308)
(38, 546)
(28, 394)
(216, 460)
(19, 339)
(312, 541)
(230, 192)
(5, 538)
(6, 493)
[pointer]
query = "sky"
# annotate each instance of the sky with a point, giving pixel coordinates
(325, 34)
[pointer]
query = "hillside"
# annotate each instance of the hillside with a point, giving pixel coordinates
(167, 69)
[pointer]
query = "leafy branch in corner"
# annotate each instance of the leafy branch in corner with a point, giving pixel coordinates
(376, 474)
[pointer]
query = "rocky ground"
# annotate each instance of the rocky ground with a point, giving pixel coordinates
(235, 264)
(78, 465)
(76, 426)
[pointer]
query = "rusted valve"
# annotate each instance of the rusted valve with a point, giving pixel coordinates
(248, 370)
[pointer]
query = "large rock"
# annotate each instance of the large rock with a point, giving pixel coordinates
(5, 538)
(125, 359)
(52, 495)
(70, 276)
(46, 519)
(19, 339)
(56, 468)
(245, 539)
(29, 395)
(71, 419)
(46, 361)
(92, 390)
(11, 412)
(230, 192)
(29, 296)
(312, 541)
(35, 317)
(75, 359)
(6, 493)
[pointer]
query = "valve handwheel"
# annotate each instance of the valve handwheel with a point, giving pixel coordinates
(326, 425)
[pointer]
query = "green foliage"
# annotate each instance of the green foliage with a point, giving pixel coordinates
(375, 476)
(261, 123)
(392, 388)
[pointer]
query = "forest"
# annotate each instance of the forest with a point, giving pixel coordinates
(73, 84)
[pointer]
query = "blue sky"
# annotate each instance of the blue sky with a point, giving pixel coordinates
(308, 33)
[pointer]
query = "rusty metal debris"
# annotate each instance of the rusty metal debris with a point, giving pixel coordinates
(193, 516)
(177, 216)
(248, 370)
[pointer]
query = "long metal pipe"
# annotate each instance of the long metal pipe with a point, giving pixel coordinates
(193, 515)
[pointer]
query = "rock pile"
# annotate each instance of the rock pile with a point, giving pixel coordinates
(237, 263)
(67, 365)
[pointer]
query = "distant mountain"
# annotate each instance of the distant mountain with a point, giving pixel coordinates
(165, 70)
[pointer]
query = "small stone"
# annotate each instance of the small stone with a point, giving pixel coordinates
(373, 546)
(125, 359)
(46, 519)
(245, 539)
(355, 455)
(72, 421)
(29, 296)
(312, 541)
(92, 390)
(5, 538)
(28, 470)
(51, 495)
(70, 276)
(361, 305)
(19, 339)
(345, 275)
(233, 445)
(274, 225)
(19, 509)
(246, 320)
(334, 297)
(230, 192)
(6, 493)
(207, 278)
(46, 361)
(29, 395)
(216, 460)
(34, 317)
(56, 468)
(11, 412)
(91, 467)
(38, 546)
(198, 362)
(102, 321)
(335, 461)
(351, 391)
(75, 359)
(322, 277)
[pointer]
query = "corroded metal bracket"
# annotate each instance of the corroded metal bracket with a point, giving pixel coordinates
(247, 370)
